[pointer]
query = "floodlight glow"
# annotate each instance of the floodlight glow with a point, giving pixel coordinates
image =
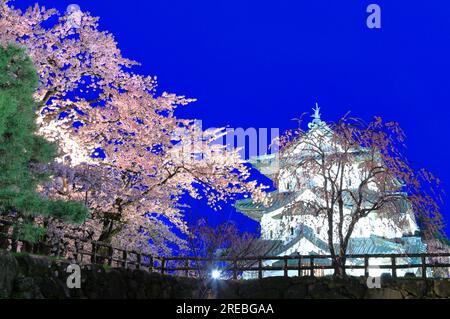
(215, 274)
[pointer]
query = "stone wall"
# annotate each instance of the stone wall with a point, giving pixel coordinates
(28, 276)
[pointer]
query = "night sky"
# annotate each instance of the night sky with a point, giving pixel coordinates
(261, 63)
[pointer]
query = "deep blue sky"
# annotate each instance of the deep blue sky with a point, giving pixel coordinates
(261, 63)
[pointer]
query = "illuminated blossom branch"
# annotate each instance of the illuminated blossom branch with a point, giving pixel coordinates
(91, 103)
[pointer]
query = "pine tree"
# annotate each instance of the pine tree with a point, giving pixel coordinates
(22, 151)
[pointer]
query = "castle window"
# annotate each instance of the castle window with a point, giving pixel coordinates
(292, 231)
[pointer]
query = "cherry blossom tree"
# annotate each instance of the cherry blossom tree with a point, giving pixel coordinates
(355, 169)
(127, 156)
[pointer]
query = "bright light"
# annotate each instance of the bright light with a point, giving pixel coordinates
(215, 274)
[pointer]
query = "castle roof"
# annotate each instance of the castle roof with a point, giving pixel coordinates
(359, 245)
(256, 210)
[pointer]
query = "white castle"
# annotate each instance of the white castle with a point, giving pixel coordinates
(306, 234)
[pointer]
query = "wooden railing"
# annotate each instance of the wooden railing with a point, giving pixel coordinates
(99, 253)
(307, 263)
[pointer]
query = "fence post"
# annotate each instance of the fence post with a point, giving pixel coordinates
(150, 267)
(14, 245)
(163, 265)
(75, 253)
(299, 266)
(138, 261)
(285, 266)
(94, 253)
(424, 266)
(234, 269)
(394, 267)
(81, 251)
(311, 266)
(366, 265)
(186, 265)
(58, 247)
(260, 271)
(110, 255)
(125, 259)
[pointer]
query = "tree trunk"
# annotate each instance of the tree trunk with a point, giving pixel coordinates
(106, 234)
(110, 228)
(338, 263)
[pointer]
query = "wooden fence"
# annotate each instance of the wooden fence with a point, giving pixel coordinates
(98, 253)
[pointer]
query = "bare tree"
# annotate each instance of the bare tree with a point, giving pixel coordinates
(354, 169)
(214, 248)
(225, 241)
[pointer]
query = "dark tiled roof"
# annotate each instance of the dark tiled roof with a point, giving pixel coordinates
(362, 245)
(303, 232)
(256, 210)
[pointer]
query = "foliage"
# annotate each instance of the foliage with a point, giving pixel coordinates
(21, 149)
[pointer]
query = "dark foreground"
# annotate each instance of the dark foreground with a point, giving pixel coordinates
(36, 277)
